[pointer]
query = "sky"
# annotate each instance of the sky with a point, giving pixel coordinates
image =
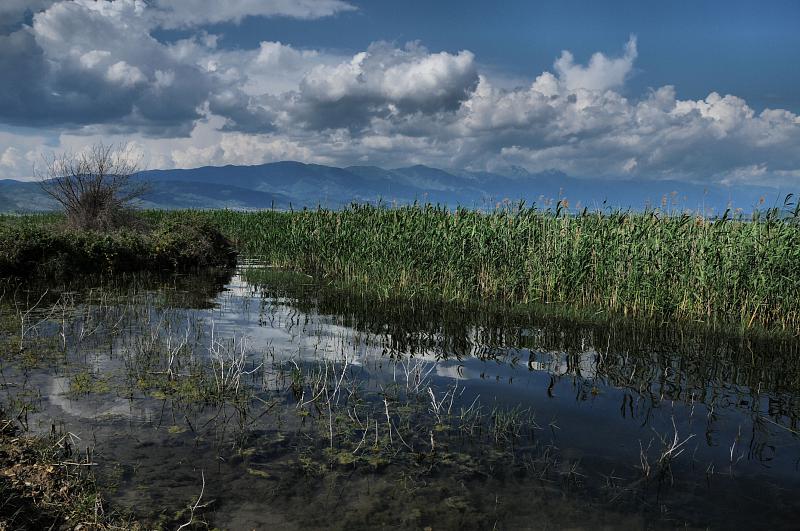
(700, 91)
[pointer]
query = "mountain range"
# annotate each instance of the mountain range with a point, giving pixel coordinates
(284, 185)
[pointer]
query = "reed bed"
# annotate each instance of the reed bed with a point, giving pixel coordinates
(731, 269)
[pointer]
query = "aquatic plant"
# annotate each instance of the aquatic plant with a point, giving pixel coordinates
(678, 265)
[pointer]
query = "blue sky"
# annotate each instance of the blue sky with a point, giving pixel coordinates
(703, 91)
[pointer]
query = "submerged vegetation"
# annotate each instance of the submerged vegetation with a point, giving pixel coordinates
(730, 270)
(326, 416)
(298, 394)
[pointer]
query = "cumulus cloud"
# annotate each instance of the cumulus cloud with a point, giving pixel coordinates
(601, 73)
(85, 70)
(380, 82)
(124, 74)
(82, 63)
(271, 69)
(602, 133)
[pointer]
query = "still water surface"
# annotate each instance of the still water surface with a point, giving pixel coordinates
(595, 405)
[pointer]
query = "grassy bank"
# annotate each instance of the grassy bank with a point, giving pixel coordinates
(732, 270)
(41, 246)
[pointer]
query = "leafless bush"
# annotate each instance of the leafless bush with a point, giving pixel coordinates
(95, 187)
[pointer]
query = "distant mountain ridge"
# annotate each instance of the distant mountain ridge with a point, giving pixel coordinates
(297, 185)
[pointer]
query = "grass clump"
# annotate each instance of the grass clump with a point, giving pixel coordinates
(85, 382)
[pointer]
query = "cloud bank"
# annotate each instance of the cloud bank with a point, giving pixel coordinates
(86, 69)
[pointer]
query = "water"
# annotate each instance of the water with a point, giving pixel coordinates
(568, 423)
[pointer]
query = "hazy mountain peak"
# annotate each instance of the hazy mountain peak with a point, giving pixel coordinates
(280, 183)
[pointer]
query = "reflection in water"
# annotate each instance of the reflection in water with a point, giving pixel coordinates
(661, 361)
(605, 402)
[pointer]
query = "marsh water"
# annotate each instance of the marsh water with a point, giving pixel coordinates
(268, 402)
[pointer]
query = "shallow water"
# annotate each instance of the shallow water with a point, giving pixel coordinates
(596, 407)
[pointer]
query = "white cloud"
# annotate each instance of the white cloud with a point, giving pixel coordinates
(238, 148)
(125, 74)
(20, 152)
(93, 58)
(10, 158)
(602, 133)
(277, 55)
(602, 72)
(745, 174)
(189, 13)
(395, 75)
(98, 64)
(85, 63)
(381, 83)
(273, 68)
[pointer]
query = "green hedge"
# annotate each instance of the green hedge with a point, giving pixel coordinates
(30, 249)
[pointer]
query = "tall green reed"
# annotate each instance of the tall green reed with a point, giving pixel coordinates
(678, 265)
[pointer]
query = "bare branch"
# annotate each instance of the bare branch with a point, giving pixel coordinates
(96, 187)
